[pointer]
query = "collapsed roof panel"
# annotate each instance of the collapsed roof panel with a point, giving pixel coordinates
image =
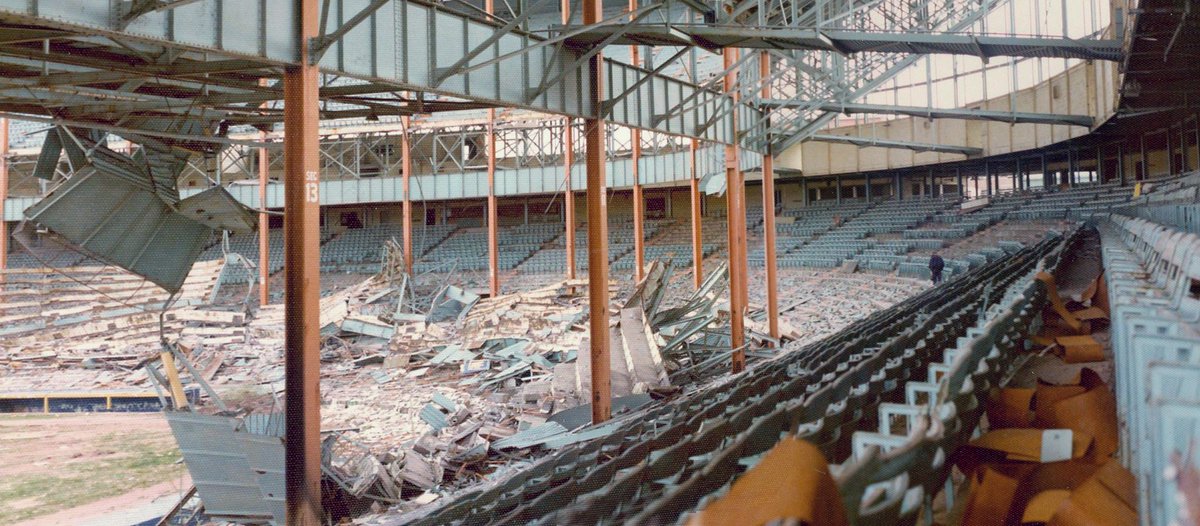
(222, 469)
(217, 209)
(125, 209)
(47, 160)
(119, 223)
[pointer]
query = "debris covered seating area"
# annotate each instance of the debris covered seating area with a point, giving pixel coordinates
(658, 463)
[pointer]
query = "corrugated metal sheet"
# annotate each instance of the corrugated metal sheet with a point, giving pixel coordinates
(218, 209)
(120, 223)
(265, 455)
(533, 436)
(434, 417)
(223, 462)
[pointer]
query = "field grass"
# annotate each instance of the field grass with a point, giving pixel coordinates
(116, 464)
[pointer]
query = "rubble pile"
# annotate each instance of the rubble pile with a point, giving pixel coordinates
(428, 387)
(819, 303)
(89, 327)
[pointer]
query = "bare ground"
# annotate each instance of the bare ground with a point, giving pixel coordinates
(50, 463)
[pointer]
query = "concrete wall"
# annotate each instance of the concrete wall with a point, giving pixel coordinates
(1086, 89)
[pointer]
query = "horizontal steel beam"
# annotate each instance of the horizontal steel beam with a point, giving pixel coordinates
(404, 43)
(669, 169)
(850, 41)
(868, 142)
(940, 113)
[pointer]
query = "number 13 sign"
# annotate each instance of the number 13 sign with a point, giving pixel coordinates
(312, 187)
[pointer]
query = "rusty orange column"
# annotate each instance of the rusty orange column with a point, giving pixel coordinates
(697, 232)
(597, 217)
(3, 196)
(639, 219)
(264, 225)
(735, 202)
(493, 248)
(493, 235)
(768, 190)
(405, 174)
(568, 161)
(302, 280)
(639, 241)
(569, 192)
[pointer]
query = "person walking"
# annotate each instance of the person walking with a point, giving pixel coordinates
(936, 264)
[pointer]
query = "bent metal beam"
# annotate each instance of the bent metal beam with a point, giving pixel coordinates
(869, 142)
(969, 114)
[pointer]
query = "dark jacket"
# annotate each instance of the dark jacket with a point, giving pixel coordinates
(936, 263)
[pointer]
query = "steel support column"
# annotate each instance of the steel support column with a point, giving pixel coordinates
(1121, 164)
(568, 190)
(568, 162)
(735, 202)
(1045, 176)
(639, 240)
(697, 226)
(1170, 153)
(1019, 177)
(1099, 165)
(302, 279)
(264, 224)
(1183, 149)
(1072, 167)
(492, 216)
(3, 196)
(867, 182)
(1145, 171)
(837, 183)
(406, 175)
(768, 191)
(597, 212)
(987, 176)
(962, 190)
(1196, 122)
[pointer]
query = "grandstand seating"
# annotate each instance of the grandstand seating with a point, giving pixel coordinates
(246, 245)
(363, 247)
(880, 235)
(863, 230)
(50, 257)
(466, 249)
(1152, 275)
(118, 309)
(620, 248)
(1075, 203)
(654, 465)
(680, 255)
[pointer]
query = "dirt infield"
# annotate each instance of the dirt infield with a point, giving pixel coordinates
(51, 463)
